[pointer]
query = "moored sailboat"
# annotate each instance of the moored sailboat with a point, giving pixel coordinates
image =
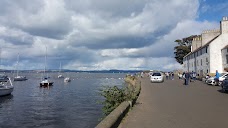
(45, 82)
(6, 87)
(19, 78)
(67, 79)
(60, 69)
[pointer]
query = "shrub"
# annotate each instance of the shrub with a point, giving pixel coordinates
(114, 96)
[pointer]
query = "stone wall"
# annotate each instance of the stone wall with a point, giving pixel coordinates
(116, 116)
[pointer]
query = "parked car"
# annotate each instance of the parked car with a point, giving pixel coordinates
(224, 85)
(222, 77)
(156, 77)
(211, 80)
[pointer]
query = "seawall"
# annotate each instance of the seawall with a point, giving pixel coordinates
(114, 118)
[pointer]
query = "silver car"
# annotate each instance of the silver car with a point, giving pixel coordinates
(156, 77)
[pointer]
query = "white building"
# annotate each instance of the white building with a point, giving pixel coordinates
(209, 51)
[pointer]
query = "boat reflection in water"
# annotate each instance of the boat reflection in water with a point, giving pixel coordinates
(6, 99)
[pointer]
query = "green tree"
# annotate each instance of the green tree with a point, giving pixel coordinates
(183, 48)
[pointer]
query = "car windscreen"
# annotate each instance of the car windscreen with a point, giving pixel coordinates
(156, 74)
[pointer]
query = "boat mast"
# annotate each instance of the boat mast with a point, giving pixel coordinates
(60, 68)
(45, 62)
(17, 63)
(0, 56)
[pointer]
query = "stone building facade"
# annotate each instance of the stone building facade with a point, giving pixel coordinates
(208, 51)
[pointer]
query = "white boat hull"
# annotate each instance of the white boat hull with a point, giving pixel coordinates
(20, 79)
(67, 79)
(5, 91)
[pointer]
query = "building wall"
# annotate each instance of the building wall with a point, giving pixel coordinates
(216, 61)
(196, 43)
(216, 57)
(202, 60)
(209, 35)
(224, 59)
(224, 25)
(198, 62)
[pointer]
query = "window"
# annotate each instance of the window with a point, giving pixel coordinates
(207, 70)
(197, 63)
(156, 74)
(206, 49)
(201, 62)
(226, 49)
(226, 59)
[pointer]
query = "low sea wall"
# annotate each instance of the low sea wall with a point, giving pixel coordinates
(114, 118)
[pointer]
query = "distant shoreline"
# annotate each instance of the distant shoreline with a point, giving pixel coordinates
(79, 71)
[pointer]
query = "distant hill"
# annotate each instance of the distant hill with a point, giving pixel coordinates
(91, 71)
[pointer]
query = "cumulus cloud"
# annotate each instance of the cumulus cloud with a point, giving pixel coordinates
(96, 34)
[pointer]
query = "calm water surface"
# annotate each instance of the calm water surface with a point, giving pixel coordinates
(64, 105)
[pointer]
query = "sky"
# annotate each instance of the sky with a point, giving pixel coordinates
(101, 34)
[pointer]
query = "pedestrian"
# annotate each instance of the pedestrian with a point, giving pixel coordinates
(142, 74)
(194, 75)
(217, 75)
(172, 76)
(187, 76)
(167, 75)
(183, 77)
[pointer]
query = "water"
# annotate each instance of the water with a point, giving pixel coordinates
(69, 105)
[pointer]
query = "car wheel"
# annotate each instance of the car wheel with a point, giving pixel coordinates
(223, 89)
(214, 83)
(220, 83)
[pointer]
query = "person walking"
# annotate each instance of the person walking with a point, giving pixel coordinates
(172, 76)
(187, 76)
(167, 75)
(183, 77)
(217, 75)
(194, 75)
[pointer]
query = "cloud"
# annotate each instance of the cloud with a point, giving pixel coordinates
(47, 18)
(96, 34)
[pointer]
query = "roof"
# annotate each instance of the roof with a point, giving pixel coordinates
(202, 46)
(225, 47)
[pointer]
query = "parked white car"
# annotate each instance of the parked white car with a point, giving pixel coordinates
(211, 80)
(156, 77)
(222, 77)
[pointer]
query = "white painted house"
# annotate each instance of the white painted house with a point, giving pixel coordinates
(209, 51)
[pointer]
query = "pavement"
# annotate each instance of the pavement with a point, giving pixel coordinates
(173, 105)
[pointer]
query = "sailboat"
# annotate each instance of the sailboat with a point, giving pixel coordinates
(60, 68)
(44, 81)
(67, 79)
(6, 86)
(19, 78)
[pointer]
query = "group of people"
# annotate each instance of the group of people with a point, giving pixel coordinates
(169, 75)
(188, 77)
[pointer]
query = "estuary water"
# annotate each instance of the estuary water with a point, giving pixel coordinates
(64, 105)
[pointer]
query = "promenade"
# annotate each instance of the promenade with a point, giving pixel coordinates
(173, 105)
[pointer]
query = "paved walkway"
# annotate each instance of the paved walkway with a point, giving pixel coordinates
(174, 105)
